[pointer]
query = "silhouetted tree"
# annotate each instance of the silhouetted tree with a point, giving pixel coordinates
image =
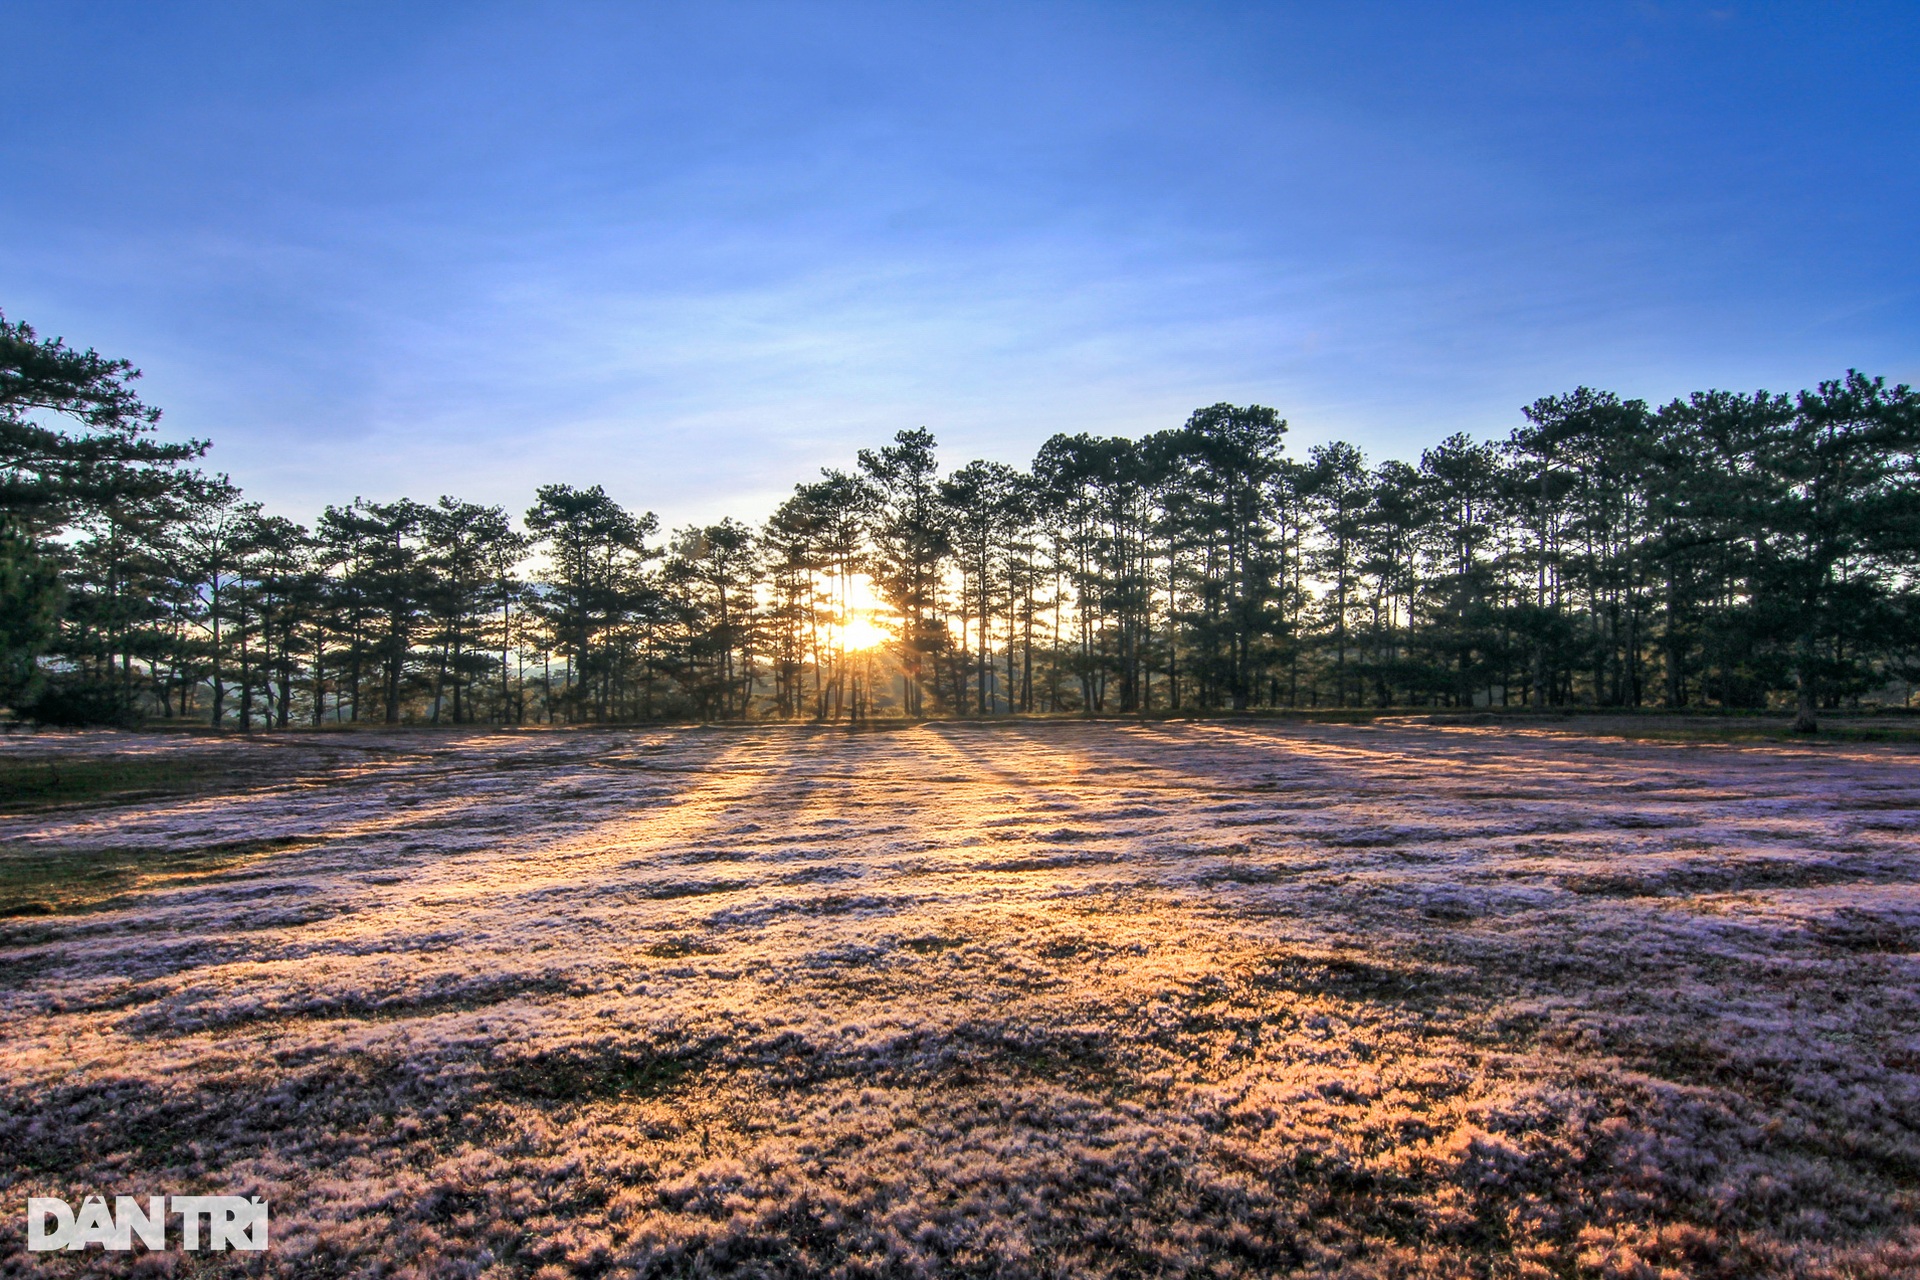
(910, 536)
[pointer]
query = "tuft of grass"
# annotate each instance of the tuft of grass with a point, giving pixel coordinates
(42, 881)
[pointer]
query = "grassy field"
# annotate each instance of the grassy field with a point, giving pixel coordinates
(1385, 999)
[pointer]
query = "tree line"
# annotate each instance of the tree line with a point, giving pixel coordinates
(1723, 550)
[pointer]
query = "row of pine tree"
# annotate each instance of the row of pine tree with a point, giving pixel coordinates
(1723, 550)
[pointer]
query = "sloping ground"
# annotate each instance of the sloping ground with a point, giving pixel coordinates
(1052, 999)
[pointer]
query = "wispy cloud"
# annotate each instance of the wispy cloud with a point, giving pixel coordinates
(695, 254)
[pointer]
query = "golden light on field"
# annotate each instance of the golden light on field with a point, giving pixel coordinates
(1283, 998)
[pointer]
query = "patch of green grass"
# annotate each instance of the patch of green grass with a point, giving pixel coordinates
(1830, 731)
(48, 780)
(691, 888)
(41, 881)
(1661, 724)
(588, 1076)
(678, 947)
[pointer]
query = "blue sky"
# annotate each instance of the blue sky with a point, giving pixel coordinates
(695, 252)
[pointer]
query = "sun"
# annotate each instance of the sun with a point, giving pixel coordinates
(860, 628)
(860, 633)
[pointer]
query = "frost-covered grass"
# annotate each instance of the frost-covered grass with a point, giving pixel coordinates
(1045, 999)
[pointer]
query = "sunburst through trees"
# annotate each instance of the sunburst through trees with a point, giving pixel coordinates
(1724, 550)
